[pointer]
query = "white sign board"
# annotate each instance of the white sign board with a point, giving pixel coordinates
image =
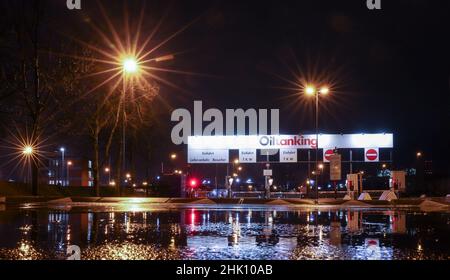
(208, 156)
(335, 167)
(267, 172)
(247, 155)
(288, 155)
(344, 141)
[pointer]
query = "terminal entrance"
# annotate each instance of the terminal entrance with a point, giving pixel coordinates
(272, 166)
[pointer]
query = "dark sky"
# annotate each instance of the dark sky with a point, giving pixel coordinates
(389, 67)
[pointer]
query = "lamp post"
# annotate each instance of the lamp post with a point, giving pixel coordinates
(230, 184)
(131, 68)
(69, 164)
(62, 150)
(108, 171)
(310, 90)
(28, 152)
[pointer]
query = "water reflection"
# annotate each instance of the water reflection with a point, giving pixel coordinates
(224, 234)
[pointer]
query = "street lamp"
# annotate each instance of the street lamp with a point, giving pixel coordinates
(130, 65)
(62, 150)
(28, 150)
(69, 164)
(418, 154)
(230, 184)
(311, 90)
(108, 171)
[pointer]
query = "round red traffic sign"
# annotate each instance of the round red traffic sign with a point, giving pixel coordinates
(328, 153)
(371, 154)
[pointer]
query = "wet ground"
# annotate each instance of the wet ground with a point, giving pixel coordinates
(133, 232)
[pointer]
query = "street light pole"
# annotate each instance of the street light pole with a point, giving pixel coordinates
(313, 91)
(317, 145)
(62, 166)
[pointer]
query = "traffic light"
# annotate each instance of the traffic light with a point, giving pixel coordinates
(193, 183)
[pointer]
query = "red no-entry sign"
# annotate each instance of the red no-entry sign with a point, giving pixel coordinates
(371, 154)
(326, 154)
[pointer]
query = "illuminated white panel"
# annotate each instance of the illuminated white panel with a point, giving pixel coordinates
(381, 140)
(208, 156)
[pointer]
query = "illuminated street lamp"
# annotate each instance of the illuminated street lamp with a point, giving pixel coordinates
(311, 90)
(173, 156)
(69, 164)
(62, 150)
(130, 65)
(28, 150)
(230, 184)
(419, 154)
(108, 171)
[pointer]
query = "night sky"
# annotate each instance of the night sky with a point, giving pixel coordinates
(389, 68)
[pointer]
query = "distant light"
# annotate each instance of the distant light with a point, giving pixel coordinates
(28, 150)
(240, 168)
(112, 183)
(320, 166)
(193, 183)
(107, 169)
(419, 154)
(236, 161)
(310, 90)
(324, 90)
(128, 175)
(144, 183)
(173, 156)
(238, 180)
(62, 149)
(130, 65)
(158, 177)
(69, 163)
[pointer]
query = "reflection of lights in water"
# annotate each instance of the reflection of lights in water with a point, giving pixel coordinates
(320, 232)
(136, 208)
(192, 216)
(129, 251)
